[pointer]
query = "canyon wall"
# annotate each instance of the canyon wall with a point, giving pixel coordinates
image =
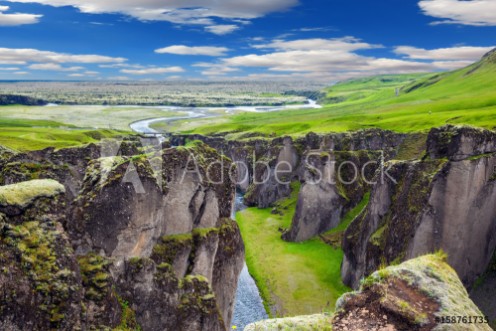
(446, 200)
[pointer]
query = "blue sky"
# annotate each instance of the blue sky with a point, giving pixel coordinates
(325, 40)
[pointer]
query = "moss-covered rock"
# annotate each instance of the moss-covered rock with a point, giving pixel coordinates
(430, 204)
(300, 323)
(23, 194)
(415, 295)
(36, 252)
(97, 254)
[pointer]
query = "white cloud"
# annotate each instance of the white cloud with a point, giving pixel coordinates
(53, 67)
(318, 29)
(336, 59)
(221, 29)
(26, 55)
(199, 12)
(152, 71)
(9, 69)
(472, 12)
(215, 69)
(463, 53)
(122, 65)
(451, 65)
(84, 74)
(198, 50)
(13, 19)
(337, 44)
(21, 73)
(305, 55)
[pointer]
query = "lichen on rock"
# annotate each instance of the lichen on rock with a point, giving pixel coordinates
(320, 322)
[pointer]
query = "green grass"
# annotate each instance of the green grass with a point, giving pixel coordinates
(464, 96)
(293, 278)
(29, 139)
(351, 215)
(89, 117)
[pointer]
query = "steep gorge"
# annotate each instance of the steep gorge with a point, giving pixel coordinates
(429, 192)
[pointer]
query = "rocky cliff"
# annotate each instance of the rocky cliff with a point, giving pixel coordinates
(421, 294)
(443, 201)
(140, 239)
(324, 164)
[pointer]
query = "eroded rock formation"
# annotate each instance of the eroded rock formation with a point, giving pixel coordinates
(444, 201)
(141, 239)
(267, 167)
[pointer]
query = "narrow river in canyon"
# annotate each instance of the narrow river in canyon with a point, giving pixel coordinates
(249, 306)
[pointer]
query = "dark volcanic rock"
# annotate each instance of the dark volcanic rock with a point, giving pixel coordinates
(459, 143)
(334, 183)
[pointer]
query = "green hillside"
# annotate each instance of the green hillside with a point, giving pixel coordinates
(465, 96)
(26, 135)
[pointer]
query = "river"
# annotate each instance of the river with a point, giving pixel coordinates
(143, 126)
(249, 306)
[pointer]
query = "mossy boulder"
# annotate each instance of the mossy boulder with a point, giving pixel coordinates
(415, 295)
(320, 322)
(22, 195)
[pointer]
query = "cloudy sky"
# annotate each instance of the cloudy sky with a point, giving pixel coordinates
(325, 40)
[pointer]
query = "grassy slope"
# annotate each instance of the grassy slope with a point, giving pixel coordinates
(27, 135)
(459, 97)
(294, 278)
(346, 221)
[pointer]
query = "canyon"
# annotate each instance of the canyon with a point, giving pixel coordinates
(109, 255)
